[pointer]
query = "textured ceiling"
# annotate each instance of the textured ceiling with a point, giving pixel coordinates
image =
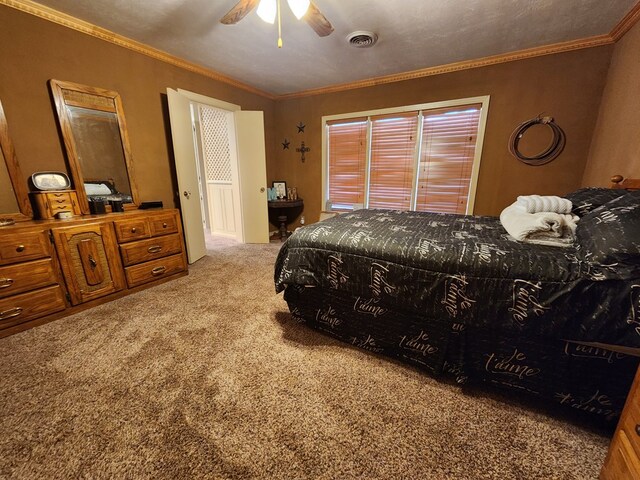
(413, 34)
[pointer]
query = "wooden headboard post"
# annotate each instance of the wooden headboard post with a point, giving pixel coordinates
(618, 181)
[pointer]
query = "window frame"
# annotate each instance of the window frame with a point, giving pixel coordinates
(483, 100)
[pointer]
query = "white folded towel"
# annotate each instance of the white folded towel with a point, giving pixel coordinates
(546, 228)
(548, 203)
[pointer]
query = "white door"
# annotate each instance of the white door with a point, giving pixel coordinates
(252, 172)
(185, 158)
(219, 154)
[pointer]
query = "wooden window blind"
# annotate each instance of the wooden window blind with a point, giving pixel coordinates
(446, 160)
(393, 144)
(347, 162)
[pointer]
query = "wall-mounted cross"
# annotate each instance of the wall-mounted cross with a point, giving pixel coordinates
(302, 150)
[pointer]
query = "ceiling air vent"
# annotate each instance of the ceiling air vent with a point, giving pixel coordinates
(361, 39)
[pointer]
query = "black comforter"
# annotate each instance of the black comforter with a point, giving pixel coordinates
(458, 294)
(460, 269)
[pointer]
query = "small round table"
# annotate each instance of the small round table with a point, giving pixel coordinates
(284, 210)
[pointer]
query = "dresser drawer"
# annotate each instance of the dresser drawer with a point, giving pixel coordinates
(153, 270)
(132, 229)
(163, 224)
(61, 207)
(629, 421)
(145, 250)
(58, 201)
(23, 277)
(622, 462)
(27, 306)
(54, 197)
(22, 246)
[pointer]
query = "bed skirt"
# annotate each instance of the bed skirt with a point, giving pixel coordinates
(588, 379)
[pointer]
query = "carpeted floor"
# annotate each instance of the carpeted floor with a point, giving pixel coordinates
(209, 377)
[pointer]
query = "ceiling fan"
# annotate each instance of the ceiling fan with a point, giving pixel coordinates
(268, 9)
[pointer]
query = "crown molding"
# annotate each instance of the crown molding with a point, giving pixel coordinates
(590, 42)
(627, 22)
(41, 11)
(46, 13)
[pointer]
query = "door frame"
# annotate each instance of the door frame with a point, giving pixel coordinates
(194, 100)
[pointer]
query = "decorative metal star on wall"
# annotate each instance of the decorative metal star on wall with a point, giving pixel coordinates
(301, 127)
(285, 144)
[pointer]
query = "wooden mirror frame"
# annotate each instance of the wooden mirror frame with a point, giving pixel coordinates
(15, 175)
(77, 95)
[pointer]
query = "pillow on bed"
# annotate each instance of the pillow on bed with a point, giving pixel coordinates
(588, 199)
(610, 234)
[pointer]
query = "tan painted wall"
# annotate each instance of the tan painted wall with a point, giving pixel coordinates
(567, 86)
(33, 51)
(616, 140)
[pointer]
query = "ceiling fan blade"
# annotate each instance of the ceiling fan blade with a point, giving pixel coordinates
(238, 12)
(318, 21)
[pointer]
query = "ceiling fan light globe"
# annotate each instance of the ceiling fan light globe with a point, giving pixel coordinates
(267, 10)
(299, 7)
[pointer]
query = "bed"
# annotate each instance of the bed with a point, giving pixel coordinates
(457, 296)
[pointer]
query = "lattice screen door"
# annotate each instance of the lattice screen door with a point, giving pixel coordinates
(217, 154)
(215, 143)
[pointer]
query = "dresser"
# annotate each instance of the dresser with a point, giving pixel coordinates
(623, 458)
(53, 268)
(30, 282)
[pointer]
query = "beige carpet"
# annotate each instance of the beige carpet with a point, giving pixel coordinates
(209, 377)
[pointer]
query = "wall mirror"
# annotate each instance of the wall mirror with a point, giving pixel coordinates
(95, 137)
(14, 198)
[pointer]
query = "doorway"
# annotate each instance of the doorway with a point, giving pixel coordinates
(217, 158)
(220, 161)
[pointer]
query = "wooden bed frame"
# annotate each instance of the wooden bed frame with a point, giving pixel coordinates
(618, 181)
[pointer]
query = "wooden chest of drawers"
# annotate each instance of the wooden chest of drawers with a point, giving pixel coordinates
(151, 248)
(623, 459)
(140, 228)
(53, 268)
(30, 284)
(48, 204)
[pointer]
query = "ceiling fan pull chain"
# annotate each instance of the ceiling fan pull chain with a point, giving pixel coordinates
(279, 27)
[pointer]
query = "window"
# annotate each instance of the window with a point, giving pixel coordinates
(423, 157)
(393, 145)
(347, 160)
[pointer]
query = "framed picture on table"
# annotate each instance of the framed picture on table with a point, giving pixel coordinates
(281, 189)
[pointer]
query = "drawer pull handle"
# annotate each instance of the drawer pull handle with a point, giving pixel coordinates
(11, 313)
(6, 282)
(154, 249)
(92, 262)
(164, 225)
(134, 230)
(58, 194)
(638, 429)
(20, 248)
(60, 201)
(158, 271)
